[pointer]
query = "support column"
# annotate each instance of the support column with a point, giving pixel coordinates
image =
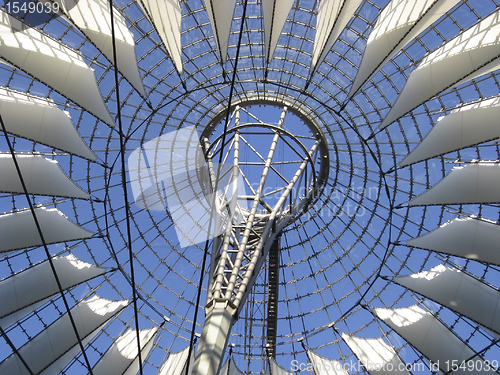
(272, 295)
(219, 319)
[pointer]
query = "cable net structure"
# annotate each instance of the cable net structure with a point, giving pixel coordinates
(320, 176)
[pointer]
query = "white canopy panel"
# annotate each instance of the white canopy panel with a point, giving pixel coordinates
(176, 363)
(37, 283)
(121, 357)
(41, 176)
(463, 127)
(18, 229)
(220, 13)
(399, 23)
(474, 183)
(467, 238)
(42, 121)
(52, 63)
(324, 366)
(473, 53)
(430, 337)
(275, 13)
(459, 292)
(333, 16)
(166, 17)
(375, 355)
(274, 369)
(59, 338)
(229, 368)
(93, 18)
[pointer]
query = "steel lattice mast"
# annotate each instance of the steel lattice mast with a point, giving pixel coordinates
(239, 252)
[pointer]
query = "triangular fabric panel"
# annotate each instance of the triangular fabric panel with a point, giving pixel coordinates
(166, 16)
(18, 229)
(93, 18)
(333, 16)
(463, 127)
(57, 339)
(229, 368)
(375, 355)
(431, 338)
(41, 176)
(176, 363)
(37, 283)
(459, 292)
(42, 121)
(470, 238)
(399, 23)
(220, 13)
(275, 14)
(324, 366)
(474, 183)
(275, 369)
(473, 53)
(52, 63)
(121, 357)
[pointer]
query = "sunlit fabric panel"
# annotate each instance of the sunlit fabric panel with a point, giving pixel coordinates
(333, 16)
(176, 363)
(58, 340)
(42, 121)
(166, 16)
(93, 18)
(37, 283)
(220, 13)
(18, 229)
(229, 368)
(463, 127)
(399, 23)
(474, 183)
(121, 357)
(324, 366)
(376, 356)
(275, 13)
(470, 238)
(459, 292)
(430, 337)
(52, 63)
(41, 176)
(274, 368)
(471, 54)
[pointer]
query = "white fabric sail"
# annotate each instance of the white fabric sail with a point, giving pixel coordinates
(430, 337)
(474, 183)
(93, 18)
(220, 13)
(41, 120)
(18, 229)
(463, 127)
(166, 17)
(176, 363)
(324, 366)
(375, 355)
(473, 53)
(399, 23)
(275, 13)
(467, 238)
(41, 176)
(34, 284)
(274, 368)
(459, 292)
(229, 368)
(121, 357)
(333, 16)
(58, 341)
(52, 63)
